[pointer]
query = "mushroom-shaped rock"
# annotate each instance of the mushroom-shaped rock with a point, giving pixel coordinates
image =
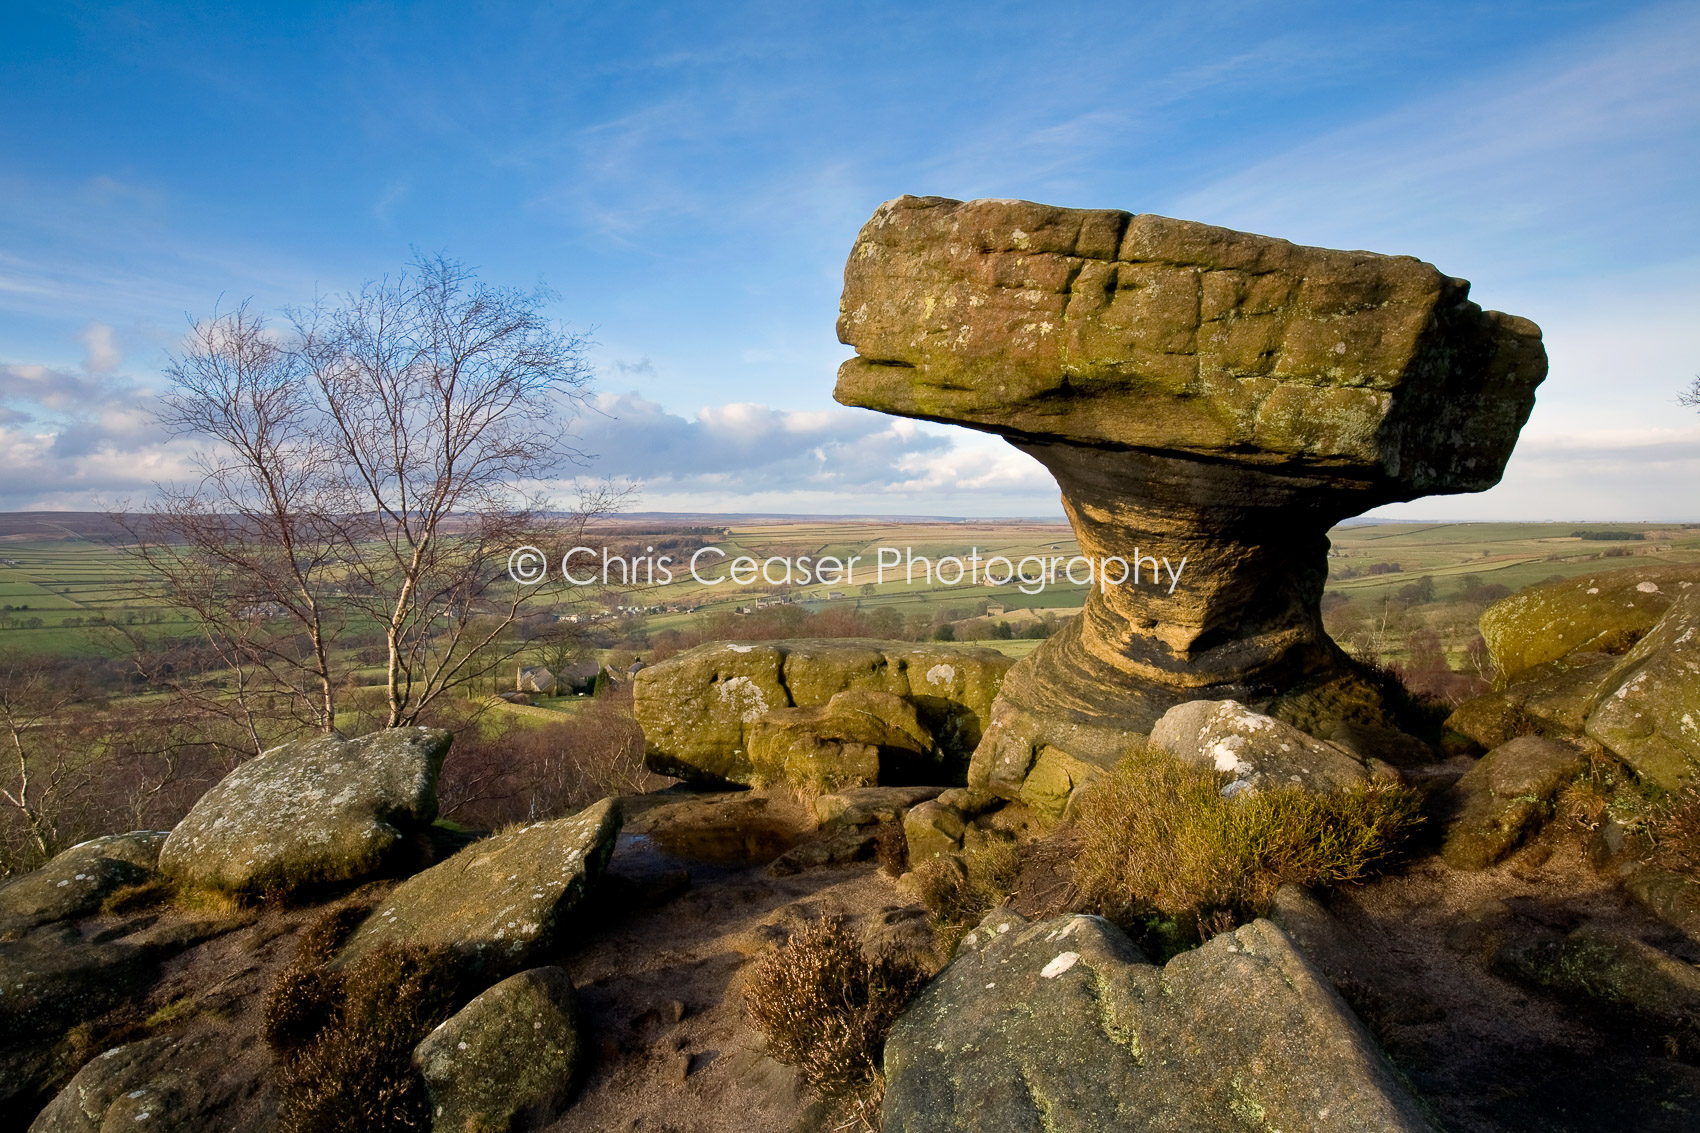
(314, 811)
(1210, 403)
(1063, 1025)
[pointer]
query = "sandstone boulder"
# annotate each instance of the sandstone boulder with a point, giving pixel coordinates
(77, 880)
(699, 709)
(150, 1084)
(1505, 796)
(1647, 709)
(1210, 403)
(1063, 1025)
(316, 811)
(933, 830)
(867, 806)
(502, 901)
(1602, 964)
(1600, 613)
(508, 1059)
(1258, 752)
(852, 740)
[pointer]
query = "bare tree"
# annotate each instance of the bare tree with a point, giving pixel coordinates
(370, 470)
(1691, 396)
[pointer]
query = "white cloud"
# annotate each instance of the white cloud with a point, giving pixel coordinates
(101, 344)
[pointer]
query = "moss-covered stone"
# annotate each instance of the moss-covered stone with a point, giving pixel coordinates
(699, 709)
(933, 830)
(1053, 780)
(1258, 752)
(1605, 612)
(506, 1060)
(1506, 796)
(311, 812)
(1647, 709)
(843, 743)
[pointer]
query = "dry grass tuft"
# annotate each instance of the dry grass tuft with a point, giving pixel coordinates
(891, 849)
(1162, 851)
(958, 892)
(1675, 830)
(344, 1036)
(825, 1006)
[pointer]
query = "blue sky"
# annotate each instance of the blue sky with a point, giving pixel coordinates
(689, 179)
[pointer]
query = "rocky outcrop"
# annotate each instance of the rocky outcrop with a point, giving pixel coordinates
(1063, 1025)
(700, 710)
(1605, 612)
(1504, 797)
(844, 743)
(1647, 709)
(1205, 398)
(312, 812)
(507, 1059)
(1258, 752)
(500, 902)
(77, 880)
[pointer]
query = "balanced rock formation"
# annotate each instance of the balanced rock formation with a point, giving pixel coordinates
(311, 812)
(1206, 399)
(1063, 1025)
(700, 711)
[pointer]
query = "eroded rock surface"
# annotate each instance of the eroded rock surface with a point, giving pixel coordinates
(311, 812)
(1063, 1025)
(508, 1057)
(499, 902)
(151, 1084)
(699, 710)
(1203, 397)
(844, 743)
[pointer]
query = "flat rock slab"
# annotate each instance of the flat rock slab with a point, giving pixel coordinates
(1062, 1026)
(865, 806)
(316, 811)
(1257, 752)
(76, 881)
(1605, 612)
(499, 902)
(507, 1059)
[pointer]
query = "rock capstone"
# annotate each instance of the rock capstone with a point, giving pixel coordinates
(1210, 403)
(315, 811)
(500, 902)
(1063, 1025)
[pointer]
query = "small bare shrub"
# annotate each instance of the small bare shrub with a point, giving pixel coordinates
(1159, 843)
(825, 1005)
(345, 1035)
(1675, 830)
(891, 849)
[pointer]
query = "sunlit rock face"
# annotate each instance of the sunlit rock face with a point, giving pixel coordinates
(1199, 394)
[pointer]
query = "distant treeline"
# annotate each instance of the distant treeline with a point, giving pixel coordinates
(1606, 536)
